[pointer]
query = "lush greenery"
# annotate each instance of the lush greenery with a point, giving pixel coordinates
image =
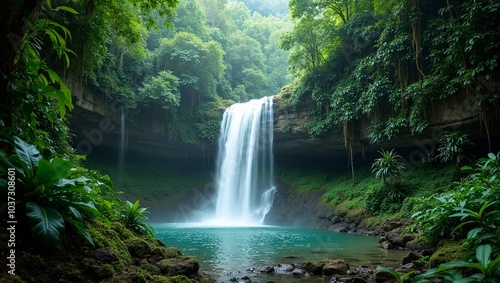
(469, 212)
(391, 61)
(183, 74)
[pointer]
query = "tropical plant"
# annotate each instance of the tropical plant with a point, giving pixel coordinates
(133, 216)
(453, 146)
(474, 199)
(47, 195)
(388, 167)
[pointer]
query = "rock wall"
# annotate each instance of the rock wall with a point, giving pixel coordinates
(96, 121)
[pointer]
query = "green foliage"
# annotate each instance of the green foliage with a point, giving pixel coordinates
(475, 198)
(453, 146)
(48, 195)
(380, 199)
(133, 216)
(389, 61)
(388, 167)
(40, 98)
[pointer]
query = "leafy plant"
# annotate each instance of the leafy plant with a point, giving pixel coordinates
(47, 195)
(453, 146)
(399, 278)
(388, 167)
(132, 215)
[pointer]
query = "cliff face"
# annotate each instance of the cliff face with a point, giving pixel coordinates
(97, 122)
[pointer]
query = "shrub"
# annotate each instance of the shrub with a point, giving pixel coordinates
(453, 146)
(49, 194)
(132, 215)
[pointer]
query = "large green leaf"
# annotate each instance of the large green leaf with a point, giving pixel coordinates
(28, 154)
(47, 224)
(50, 172)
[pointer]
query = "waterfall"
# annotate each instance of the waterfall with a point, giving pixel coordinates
(245, 189)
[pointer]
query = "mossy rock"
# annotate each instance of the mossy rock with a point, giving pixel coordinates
(138, 247)
(183, 265)
(172, 253)
(152, 269)
(447, 251)
(97, 269)
(105, 237)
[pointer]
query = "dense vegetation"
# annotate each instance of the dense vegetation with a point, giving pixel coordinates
(391, 61)
(184, 62)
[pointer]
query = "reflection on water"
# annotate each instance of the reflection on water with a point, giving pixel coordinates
(225, 250)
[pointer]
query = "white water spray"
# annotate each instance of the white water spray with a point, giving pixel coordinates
(245, 189)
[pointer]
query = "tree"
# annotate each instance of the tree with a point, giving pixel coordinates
(198, 65)
(160, 93)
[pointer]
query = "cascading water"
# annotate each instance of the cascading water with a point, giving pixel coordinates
(245, 189)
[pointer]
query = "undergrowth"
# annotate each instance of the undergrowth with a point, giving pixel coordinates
(367, 192)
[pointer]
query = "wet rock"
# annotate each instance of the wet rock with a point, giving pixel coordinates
(386, 245)
(297, 273)
(267, 269)
(314, 267)
(298, 264)
(283, 268)
(410, 257)
(396, 238)
(105, 255)
(336, 266)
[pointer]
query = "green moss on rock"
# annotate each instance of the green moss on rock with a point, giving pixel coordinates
(138, 247)
(447, 251)
(183, 265)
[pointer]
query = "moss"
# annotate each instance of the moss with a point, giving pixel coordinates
(96, 269)
(138, 247)
(106, 237)
(180, 279)
(447, 251)
(151, 269)
(184, 265)
(172, 252)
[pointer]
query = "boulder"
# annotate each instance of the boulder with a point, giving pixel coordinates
(183, 265)
(314, 267)
(386, 245)
(410, 257)
(382, 276)
(105, 255)
(138, 247)
(267, 269)
(336, 266)
(396, 238)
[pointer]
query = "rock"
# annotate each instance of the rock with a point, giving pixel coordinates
(386, 245)
(138, 247)
(336, 266)
(390, 224)
(416, 245)
(105, 255)
(314, 267)
(397, 240)
(183, 265)
(298, 264)
(283, 268)
(297, 273)
(267, 269)
(447, 251)
(382, 276)
(410, 257)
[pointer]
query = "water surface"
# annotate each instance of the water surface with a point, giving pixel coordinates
(227, 252)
